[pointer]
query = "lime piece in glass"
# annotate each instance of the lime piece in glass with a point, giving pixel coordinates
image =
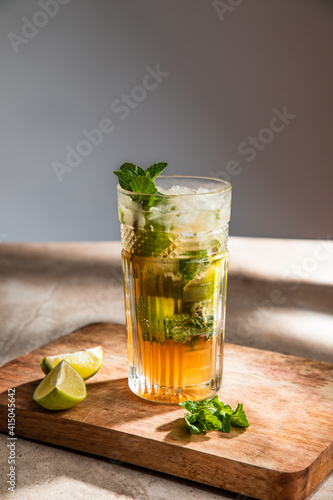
(204, 285)
(61, 389)
(86, 363)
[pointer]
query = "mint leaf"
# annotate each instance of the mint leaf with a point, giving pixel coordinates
(131, 177)
(188, 405)
(155, 170)
(154, 241)
(124, 179)
(227, 409)
(126, 173)
(225, 423)
(213, 402)
(196, 263)
(208, 420)
(212, 414)
(181, 327)
(142, 184)
(193, 426)
(238, 419)
(132, 170)
(151, 243)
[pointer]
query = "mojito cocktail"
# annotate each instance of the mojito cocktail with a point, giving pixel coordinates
(174, 255)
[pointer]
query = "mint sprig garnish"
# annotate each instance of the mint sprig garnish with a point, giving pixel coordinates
(153, 240)
(213, 415)
(136, 179)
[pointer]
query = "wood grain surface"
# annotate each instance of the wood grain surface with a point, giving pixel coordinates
(284, 454)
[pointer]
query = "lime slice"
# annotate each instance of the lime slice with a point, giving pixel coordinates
(86, 363)
(62, 388)
(204, 285)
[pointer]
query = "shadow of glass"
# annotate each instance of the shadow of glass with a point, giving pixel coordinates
(310, 296)
(108, 403)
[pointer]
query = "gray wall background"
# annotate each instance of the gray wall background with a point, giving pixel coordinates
(225, 78)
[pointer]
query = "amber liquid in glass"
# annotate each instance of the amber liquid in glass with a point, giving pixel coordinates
(174, 327)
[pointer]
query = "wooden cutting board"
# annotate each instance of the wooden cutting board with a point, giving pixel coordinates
(284, 454)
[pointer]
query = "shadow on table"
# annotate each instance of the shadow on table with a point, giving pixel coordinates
(178, 433)
(109, 403)
(299, 323)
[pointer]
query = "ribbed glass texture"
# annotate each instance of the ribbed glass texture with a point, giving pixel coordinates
(175, 292)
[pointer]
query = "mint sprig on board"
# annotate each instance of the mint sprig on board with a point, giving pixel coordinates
(213, 415)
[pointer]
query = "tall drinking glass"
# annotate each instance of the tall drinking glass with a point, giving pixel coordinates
(174, 257)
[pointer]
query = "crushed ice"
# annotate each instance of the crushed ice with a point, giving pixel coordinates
(183, 190)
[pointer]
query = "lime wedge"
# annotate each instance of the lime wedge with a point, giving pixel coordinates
(62, 388)
(86, 363)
